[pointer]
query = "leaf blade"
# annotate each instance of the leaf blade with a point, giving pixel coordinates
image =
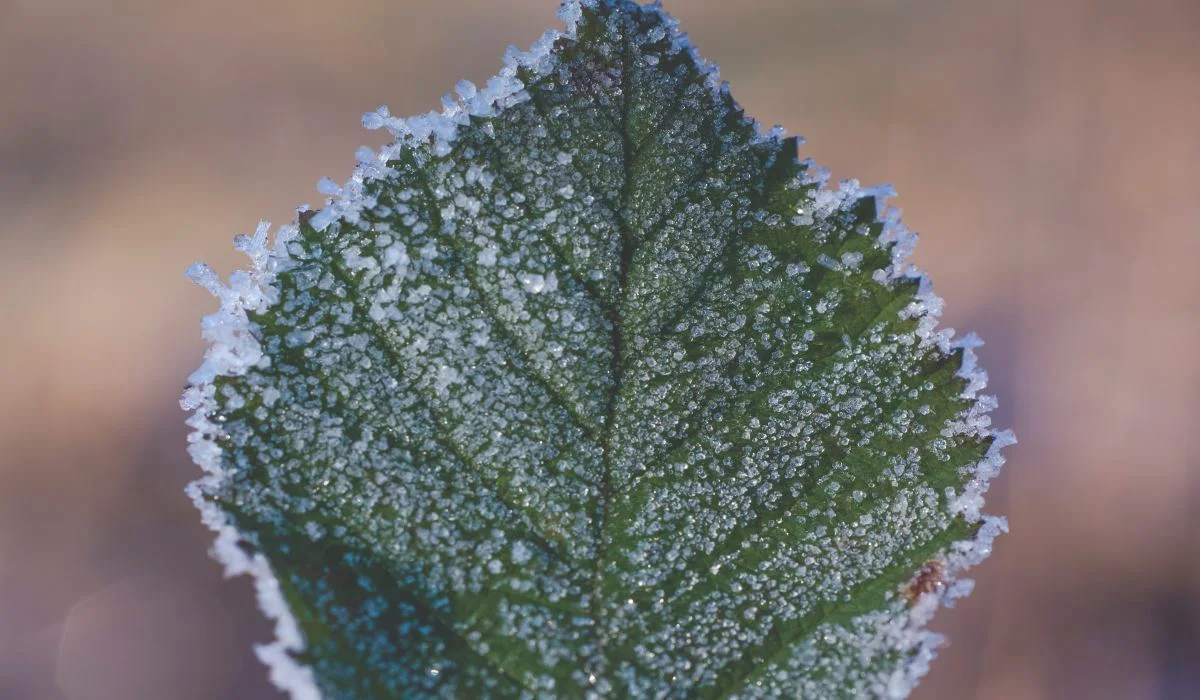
(571, 349)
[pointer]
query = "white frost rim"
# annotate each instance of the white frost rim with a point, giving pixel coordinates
(233, 350)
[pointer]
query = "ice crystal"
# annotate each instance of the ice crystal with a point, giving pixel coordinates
(585, 386)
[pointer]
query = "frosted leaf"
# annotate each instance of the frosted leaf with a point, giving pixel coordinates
(587, 386)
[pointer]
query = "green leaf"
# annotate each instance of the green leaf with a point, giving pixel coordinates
(585, 386)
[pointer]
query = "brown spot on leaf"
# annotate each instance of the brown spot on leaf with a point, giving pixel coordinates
(928, 580)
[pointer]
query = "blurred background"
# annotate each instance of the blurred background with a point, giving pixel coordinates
(1047, 150)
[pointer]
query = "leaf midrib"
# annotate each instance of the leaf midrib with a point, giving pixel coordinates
(617, 359)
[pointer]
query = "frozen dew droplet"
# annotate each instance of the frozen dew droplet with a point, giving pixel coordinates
(376, 119)
(533, 283)
(203, 275)
(465, 89)
(372, 120)
(327, 186)
(520, 553)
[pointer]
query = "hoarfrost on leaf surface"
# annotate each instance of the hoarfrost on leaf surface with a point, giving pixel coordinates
(585, 386)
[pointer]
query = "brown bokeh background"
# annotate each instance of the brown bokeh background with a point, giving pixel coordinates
(1047, 150)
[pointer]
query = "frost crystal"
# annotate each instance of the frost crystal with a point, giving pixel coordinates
(584, 386)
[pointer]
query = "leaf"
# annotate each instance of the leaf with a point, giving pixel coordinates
(584, 386)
